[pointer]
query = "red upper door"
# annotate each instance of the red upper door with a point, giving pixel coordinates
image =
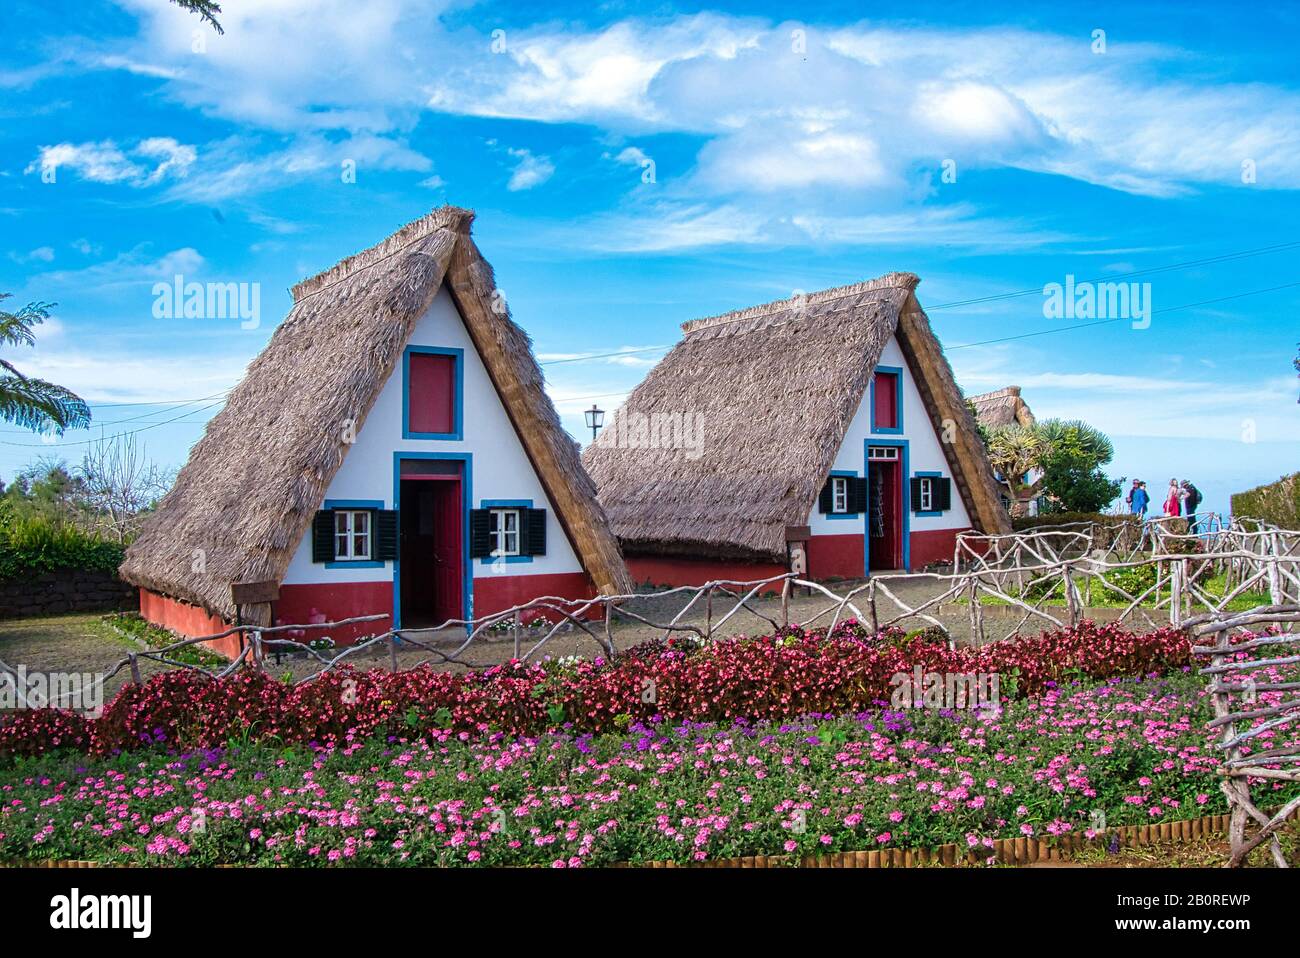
(431, 404)
(885, 403)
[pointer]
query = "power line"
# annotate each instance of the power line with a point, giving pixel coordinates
(621, 352)
(1186, 264)
(1169, 267)
(114, 422)
(1122, 319)
(116, 435)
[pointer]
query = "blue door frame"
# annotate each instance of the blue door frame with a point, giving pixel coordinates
(905, 492)
(467, 497)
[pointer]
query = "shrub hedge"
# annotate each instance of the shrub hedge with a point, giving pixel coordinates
(1278, 502)
(1132, 529)
(32, 545)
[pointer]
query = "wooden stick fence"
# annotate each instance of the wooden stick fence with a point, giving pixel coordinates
(1236, 695)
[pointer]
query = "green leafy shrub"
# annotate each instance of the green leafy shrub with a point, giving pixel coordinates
(1132, 529)
(1278, 502)
(31, 545)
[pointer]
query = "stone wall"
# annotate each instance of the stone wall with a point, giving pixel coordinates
(67, 590)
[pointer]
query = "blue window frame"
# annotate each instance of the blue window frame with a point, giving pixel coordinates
(357, 504)
(927, 513)
(897, 428)
(520, 504)
(843, 474)
(458, 393)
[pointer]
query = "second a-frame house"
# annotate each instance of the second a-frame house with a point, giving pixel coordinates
(830, 421)
(391, 451)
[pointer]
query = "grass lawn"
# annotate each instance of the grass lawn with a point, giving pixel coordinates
(1102, 598)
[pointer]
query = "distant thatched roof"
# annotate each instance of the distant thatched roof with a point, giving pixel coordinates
(1003, 407)
(774, 387)
(253, 482)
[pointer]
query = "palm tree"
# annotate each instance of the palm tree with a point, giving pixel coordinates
(34, 403)
(1014, 451)
(1076, 435)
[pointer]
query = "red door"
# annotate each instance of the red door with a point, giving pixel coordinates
(431, 556)
(885, 515)
(447, 561)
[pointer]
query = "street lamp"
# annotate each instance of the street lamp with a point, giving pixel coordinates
(595, 419)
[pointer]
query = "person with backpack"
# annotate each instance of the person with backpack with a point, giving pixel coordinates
(1191, 498)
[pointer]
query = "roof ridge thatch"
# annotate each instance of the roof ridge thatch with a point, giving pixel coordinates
(773, 409)
(890, 281)
(1002, 407)
(253, 482)
(444, 217)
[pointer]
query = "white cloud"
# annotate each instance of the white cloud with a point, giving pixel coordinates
(530, 171)
(1175, 407)
(865, 108)
(157, 158)
(239, 166)
(42, 254)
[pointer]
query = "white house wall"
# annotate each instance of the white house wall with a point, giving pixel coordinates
(925, 453)
(501, 469)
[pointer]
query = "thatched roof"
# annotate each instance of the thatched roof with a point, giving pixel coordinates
(776, 387)
(1003, 407)
(253, 482)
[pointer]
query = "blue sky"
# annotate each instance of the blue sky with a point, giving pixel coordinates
(787, 155)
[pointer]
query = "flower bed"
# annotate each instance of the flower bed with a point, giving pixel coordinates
(767, 678)
(1134, 750)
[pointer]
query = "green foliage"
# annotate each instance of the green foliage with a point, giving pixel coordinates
(34, 404)
(134, 626)
(35, 544)
(1074, 482)
(1077, 438)
(1278, 502)
(207, 11)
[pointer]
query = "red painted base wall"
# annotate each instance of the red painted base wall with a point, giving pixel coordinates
(305, 603)
(675, 571)
(836, 557)
(933, 546)
(332, 602)
(829, 557)
(496, 593)
(187, 620)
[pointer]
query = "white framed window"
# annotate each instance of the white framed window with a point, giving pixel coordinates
(504, 531)
(927, 494)
(839, 494)
(882, 453)
(352, 534)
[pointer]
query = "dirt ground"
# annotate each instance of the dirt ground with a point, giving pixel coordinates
(87, 643)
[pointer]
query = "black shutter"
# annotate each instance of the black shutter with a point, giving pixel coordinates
(480, 533)
(385, 534)
(914, 488)
(532, 534)
(826, 501)
(942, 494)
(322, 536)
(857, 495)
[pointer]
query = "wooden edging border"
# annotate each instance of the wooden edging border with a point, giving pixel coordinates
(1005, 851)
